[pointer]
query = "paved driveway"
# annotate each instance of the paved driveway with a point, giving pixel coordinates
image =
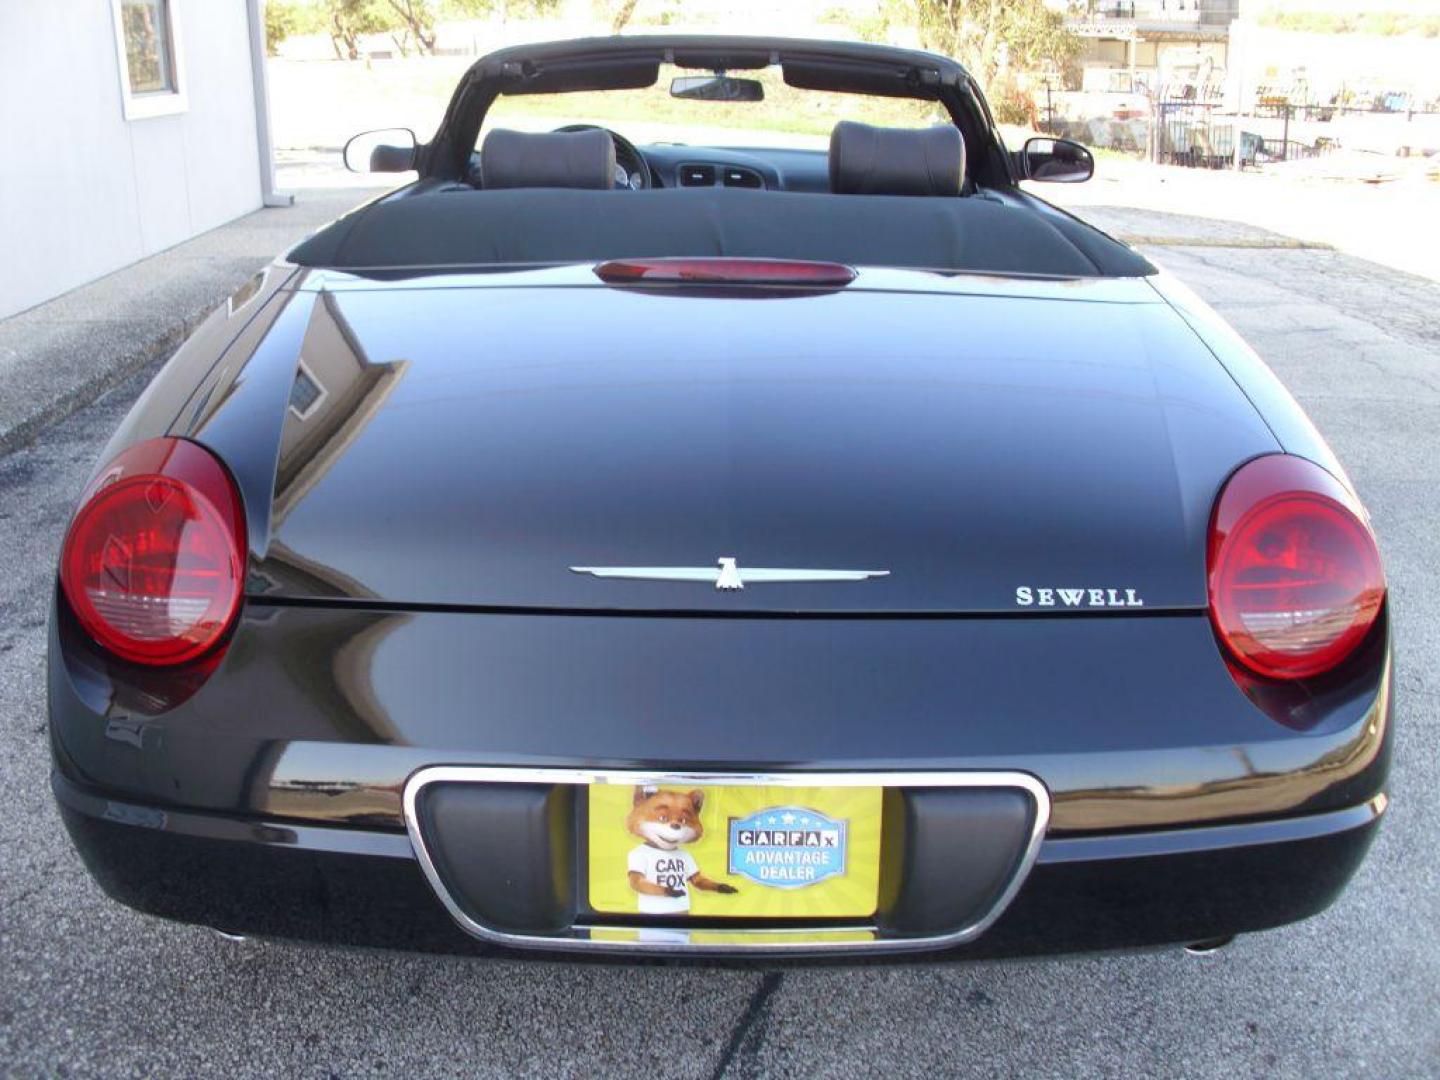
(87, 987)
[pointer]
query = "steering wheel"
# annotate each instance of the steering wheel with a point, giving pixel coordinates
(631, 171)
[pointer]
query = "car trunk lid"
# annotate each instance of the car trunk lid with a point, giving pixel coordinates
(985, 445)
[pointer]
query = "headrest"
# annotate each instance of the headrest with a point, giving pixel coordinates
(867, 160)
(557, 159)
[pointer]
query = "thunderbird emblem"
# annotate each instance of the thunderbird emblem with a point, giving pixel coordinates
(726, 574)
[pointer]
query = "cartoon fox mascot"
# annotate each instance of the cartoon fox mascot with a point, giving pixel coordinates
(658, 869)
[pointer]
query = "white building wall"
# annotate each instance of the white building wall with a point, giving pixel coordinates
(83, 191)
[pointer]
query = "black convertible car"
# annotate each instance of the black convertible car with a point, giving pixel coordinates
(691, 549)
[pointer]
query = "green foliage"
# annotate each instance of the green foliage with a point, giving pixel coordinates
(285, 18)
(1010, 103)
(410, 23)
(417, 24)
(873, 26)
(618, 14)
(1382, 23)
(347, 21)
(501, 9)
(988, 35)
(615, 13)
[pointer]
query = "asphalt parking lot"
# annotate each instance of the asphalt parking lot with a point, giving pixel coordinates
(87, 987)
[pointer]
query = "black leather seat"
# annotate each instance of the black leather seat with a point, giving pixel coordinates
(867, 160)
(556, 159)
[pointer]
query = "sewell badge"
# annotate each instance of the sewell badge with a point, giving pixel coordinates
(787, 847)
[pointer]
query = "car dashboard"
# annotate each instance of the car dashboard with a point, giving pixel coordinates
(675, 165)
(678, 165)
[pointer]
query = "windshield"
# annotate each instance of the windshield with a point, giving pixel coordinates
(786, 117)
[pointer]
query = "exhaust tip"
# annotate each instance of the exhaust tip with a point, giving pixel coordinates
(1209, 946)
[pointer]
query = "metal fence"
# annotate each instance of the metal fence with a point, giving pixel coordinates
(1185, 129)
(1195, 124)
(1192, 127)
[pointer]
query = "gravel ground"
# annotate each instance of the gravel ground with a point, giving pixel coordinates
(91, 988)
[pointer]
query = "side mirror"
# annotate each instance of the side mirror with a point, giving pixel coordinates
(385, 150)
(1057, 161)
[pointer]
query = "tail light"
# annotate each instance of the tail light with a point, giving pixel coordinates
(153, 564)
(1295, 577)
(724, 270)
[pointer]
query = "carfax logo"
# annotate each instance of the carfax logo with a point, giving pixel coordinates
(787, 847)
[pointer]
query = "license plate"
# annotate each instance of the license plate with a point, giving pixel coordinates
(742, 851)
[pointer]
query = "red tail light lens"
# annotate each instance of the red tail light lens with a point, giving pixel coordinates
(1295, 577)
(725, 271)
(153, 564)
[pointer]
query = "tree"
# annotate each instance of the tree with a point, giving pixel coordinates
(286, 18)
(280, 23)
(616, 12)
(347, 21)
(418, 21)
(988, 35)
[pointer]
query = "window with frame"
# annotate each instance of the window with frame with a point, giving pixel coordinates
(145, 25)
(149, 55)
(306, 393)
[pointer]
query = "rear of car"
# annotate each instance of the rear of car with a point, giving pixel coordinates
(554, 556)
(378, 636)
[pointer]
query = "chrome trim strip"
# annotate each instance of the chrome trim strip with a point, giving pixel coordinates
(788, 941)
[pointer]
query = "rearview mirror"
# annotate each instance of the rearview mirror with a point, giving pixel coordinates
(383, 150)
(717, 88)
(1057, 161)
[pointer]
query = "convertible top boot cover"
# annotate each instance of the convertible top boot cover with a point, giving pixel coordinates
(867, 160)
(557, 159)
(480, 228)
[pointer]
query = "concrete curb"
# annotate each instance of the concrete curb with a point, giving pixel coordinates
(77, 395)
(1279, 243)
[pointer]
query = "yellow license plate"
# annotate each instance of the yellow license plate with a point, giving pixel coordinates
(752, 852)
